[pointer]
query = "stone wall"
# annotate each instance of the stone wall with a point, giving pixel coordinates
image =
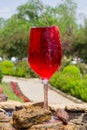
(77, 117)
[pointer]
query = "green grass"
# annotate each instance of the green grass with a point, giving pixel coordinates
(9, 92)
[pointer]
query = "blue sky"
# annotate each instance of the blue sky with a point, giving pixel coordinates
(8, 7)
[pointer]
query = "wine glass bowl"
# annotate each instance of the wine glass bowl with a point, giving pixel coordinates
(45, 52)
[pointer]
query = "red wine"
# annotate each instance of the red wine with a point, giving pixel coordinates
(45, 53)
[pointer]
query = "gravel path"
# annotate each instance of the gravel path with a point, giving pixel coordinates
(33, 89)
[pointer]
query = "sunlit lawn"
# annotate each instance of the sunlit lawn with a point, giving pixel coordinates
(9, 92)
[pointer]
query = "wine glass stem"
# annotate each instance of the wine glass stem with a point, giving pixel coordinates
(45, 82)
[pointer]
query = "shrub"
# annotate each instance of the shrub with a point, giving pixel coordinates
(71, 82)
(7, 67)
(1, 75)
(65, 62)
(22, 69)
(72, 71)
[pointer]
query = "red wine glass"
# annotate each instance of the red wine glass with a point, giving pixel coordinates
(45, 54)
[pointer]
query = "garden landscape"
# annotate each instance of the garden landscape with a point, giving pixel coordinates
(18, 109)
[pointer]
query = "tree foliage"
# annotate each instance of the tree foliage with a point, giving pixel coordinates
(80, 42)
(14, 32)
(14, 37)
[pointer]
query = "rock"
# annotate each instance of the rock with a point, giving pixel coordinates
(5, 121)
(33, 115)
(78, 115)
(81, 127)
(77, 107)
(10, 105)
(4, 117)
(3, 97)
(54, 126)
(68, 127)
(62, 115)
(41, 104)
(6, 126)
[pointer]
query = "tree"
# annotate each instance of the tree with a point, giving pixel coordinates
(14, 34)
(14, 37)
(66, 13)
(80, 42)
(2, 23)
(29, 11)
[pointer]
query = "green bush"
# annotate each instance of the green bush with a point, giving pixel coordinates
(22, 69)
(71, 82)
(72, 71)
(1, 75)
(7, 67)
(65, 62)
(20, 72)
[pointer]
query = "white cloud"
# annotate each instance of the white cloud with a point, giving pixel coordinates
(4, 9)
(83, 11)
(8, 7)
(5, 12)
(81, 15)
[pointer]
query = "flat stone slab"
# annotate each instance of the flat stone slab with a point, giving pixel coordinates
(54, 126)
(10, 104)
